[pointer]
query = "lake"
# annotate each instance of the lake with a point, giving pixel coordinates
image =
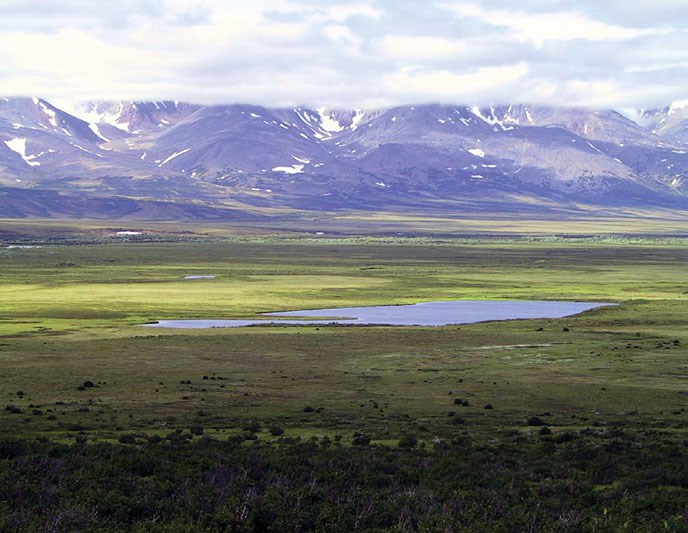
(443, 313)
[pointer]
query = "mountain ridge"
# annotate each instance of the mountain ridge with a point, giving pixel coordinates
(429, 156)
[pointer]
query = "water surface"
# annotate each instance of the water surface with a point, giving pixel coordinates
(423, 314)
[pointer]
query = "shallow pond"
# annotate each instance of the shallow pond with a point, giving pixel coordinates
(422, 314)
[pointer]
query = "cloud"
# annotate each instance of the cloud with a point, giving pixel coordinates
(347, 52)
(413, 48)
(552, 26)
(443, 85)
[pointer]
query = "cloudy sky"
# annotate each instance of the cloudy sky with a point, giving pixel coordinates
(363, 53)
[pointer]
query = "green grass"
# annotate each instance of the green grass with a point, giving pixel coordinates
(71, 313)
(610, 384)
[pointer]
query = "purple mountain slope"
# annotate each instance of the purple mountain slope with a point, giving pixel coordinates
(435, 158)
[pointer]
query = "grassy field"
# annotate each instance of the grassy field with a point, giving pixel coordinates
(71, 314)
(574, 424)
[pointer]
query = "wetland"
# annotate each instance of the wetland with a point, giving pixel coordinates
(569, 423)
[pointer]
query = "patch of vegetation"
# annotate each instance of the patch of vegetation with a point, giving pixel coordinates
(584, 420)
(599, 481)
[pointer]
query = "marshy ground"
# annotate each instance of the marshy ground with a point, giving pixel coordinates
(76, 366)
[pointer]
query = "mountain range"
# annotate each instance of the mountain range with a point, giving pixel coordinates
(177, 161)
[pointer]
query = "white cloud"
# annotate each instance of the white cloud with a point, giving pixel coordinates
(342, 13)
(346, 52)
(411, 47)
(553, 26)
(342, 35)
(445, 85)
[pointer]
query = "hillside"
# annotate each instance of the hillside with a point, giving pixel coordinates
(170, 160)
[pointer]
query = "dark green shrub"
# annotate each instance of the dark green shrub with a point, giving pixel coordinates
(359, 439)
(408, 441)
(535, 421)
(127, 438)
(252, 426)
(9, 449)
(276, 431)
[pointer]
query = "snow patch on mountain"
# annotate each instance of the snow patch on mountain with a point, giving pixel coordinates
(294, 169)
(18, 145)
(328, 122)
(52, 116)
(97, 113)
(476, 152)
(357, 118)
(173, 156)
(85, 150)
(94, 128)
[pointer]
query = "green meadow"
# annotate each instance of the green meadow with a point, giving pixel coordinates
(74, 313)
(571, 424)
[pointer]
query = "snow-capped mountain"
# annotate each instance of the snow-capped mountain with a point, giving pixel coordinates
(122, 119)
(437, 157)
(669, 122)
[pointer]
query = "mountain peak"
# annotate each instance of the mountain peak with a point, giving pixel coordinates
(431, 156)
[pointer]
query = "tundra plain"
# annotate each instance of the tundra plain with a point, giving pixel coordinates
(76, 365)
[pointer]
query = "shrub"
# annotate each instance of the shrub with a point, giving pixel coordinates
(308, 409)
(360, 439)
(408, 441)
(196, 430)
(127, 438)
(276, 431)
(535, 421)
(488, 406)
(564, 437)
(252, 426)
(11, 448)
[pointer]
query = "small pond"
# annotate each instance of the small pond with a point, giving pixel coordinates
(421, 314)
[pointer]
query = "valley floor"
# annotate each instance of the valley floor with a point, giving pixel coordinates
(575, 424)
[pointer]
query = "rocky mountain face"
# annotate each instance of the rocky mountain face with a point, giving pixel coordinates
(669, 122)
(170, 160)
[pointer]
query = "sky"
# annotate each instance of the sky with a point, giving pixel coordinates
(358, 53)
